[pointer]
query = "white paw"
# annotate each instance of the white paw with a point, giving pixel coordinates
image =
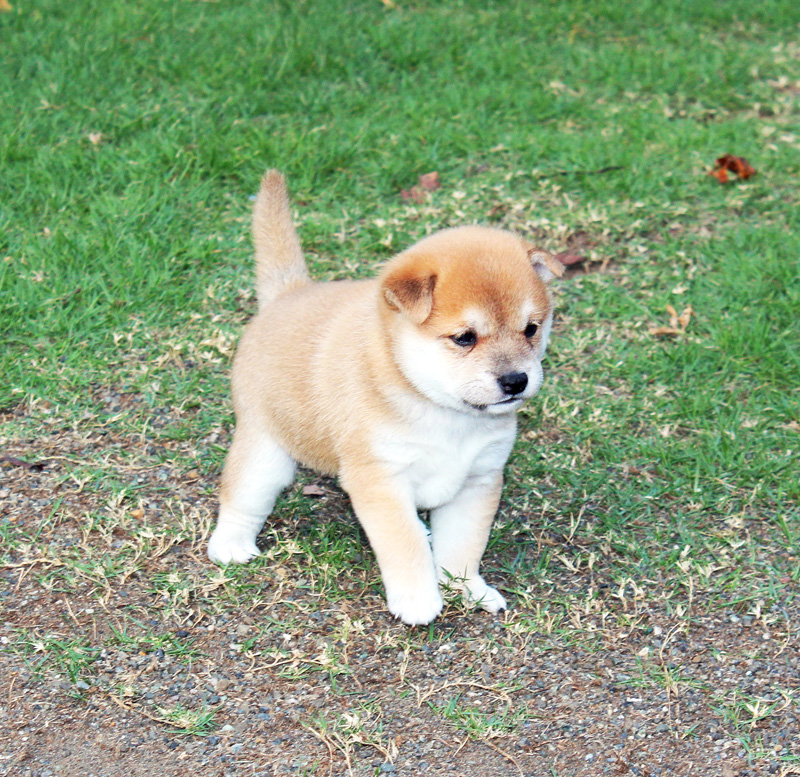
(476, 593)
(415, 606)
(486, 597)
(232, 544)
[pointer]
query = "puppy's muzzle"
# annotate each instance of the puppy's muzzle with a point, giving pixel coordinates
(513, 383)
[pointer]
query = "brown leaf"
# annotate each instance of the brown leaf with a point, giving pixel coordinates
(737, 165)
(720, 174)
(661, 331)
(15, 462)
(414, 194)
(568, 258)
(5, 5)
(430, 181)
(677, 323)
(673, 316)
(685, 317)
(313, 490)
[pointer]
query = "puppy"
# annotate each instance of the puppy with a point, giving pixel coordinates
(404, 386)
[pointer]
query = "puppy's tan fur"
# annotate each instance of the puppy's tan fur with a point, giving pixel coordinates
(379, 382)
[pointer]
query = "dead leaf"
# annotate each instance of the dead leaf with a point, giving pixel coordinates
(95, 138)
(430, 181)
(662, 331)
(15, 462)
(313, 490)
(673, 316)
(415, 194)
(720, 174)
(5, 6)
(568, 258)
(685, 317)
(737, 165)
(677, 323)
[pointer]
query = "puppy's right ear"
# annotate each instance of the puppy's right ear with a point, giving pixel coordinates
(546, 265)
(408, 289)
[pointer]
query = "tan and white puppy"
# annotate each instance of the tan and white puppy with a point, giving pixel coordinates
(405, 386)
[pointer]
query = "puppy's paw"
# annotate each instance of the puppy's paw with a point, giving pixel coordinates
(415, 606)
(489, 599)
(232, 544)
(476, 593)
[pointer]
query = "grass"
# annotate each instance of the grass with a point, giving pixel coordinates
(72, 658)
(651, 472)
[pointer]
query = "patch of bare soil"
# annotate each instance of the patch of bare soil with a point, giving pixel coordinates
(125, 653)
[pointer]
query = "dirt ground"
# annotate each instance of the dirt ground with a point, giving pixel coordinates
(108, 672)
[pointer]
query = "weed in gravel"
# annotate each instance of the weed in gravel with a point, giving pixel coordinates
(188, 722)
(147, 642)
(69, 657)
(360, 727)
(747, 714)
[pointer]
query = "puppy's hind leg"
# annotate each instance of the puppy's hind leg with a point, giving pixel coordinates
(256, 471)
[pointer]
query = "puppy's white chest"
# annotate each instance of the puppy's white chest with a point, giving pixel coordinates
(436, 461)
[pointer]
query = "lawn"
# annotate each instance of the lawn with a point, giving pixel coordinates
(648, 541)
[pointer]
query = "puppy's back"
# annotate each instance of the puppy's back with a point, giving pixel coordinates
(300, 369)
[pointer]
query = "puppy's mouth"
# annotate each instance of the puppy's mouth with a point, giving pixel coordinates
(509, 401)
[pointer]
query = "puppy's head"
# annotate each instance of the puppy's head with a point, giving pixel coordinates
(468, 313)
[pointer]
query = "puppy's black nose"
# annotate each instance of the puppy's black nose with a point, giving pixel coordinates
(513, 382)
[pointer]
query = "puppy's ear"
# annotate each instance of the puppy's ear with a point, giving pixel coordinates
(547, 266)
(408, 288)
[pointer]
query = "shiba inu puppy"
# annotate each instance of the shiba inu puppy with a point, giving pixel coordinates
(405, 386)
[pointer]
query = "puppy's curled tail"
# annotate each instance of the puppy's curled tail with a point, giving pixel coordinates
(280, 266)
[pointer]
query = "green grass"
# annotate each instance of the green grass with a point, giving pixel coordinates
(132, 138)
(125, 256)
(69, 657)
(193, 101)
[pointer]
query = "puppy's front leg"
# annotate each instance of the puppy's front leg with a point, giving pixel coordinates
(460, 532)
(386, 511)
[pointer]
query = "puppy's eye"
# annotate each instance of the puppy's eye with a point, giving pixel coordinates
(465, 339)
(531, 329)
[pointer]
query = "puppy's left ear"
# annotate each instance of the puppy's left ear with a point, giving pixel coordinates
(408, 289)
(546, 265)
